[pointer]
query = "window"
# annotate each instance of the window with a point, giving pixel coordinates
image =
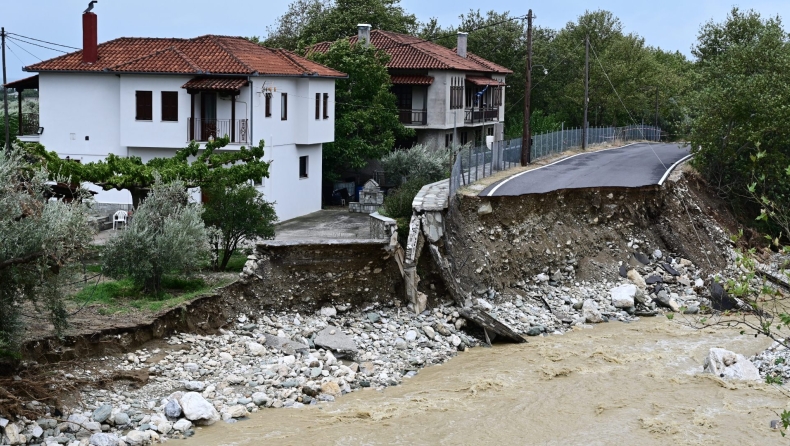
(303, 167)
(283, 106)
(497, 94)
(268, 105)
(464, 138)
(326, 105)
(448, 139)
(318, 106)
(144, 111)
(169, 106)
(490, 131)
(456, 93)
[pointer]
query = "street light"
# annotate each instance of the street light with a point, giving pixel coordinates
(545, 71)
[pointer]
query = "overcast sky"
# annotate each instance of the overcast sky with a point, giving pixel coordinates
(669, 24)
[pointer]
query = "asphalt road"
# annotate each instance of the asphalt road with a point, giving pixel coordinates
(634, 165)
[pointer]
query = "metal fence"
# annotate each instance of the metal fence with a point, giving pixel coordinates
(473, 163)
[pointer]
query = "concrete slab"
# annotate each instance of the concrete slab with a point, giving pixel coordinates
(328, 224)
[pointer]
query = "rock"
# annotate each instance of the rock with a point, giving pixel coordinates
(719, 298)
(657, 254)
(421, 302)
(662, 299)
(3, 422)
(256, 349)
(373, 317)
(182, 425)
(330, 388)
(591, 313)
(623, 271)
(196, 386)
(137, 438)
(121, 419)
(485, 208)
(641, 258)
(76, 422)
(329, 311)
(623, 296)
(668, 268)
(102, 439)
(400, 344)
(542, 278)
(683, 280)
(197, 409)
(102, 413)
(191, 367)
(691, 309)
(164, 427)
(455, 340)
(429, 332)
(654, 279)
(226, 357)
(411, 335)
(260, 398)
(172, 409)
(729, 365)
(14, 435)
(233, 380)
(37, 431)
(636, 279)
(699, 283)
(534, 331)
(484, 304)
(288, 346)
(93, 426)
(334, 339)
(237, 411)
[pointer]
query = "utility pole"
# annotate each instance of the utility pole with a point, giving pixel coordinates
(7, 144)
(526, 149)
(586, 88)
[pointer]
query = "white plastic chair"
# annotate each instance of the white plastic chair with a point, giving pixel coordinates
(119, 217)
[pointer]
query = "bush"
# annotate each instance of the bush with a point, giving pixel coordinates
(418, 162)
(236, 213)
(39, 239)
(165, 236)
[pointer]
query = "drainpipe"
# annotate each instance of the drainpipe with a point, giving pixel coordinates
(252, 108)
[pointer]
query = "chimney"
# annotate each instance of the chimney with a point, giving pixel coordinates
(90, 38)
(363, 33)
(460, 48)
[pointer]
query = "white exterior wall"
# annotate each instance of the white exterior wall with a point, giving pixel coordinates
(103, 107)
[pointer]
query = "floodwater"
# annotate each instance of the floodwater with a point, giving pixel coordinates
(628, 384)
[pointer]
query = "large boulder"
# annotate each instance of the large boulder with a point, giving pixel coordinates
(636, 279)
(137, 438)
(729, 365)
(102, 413)
(332, 338)
(288, 346)
(172, 409)
(102, 439)
(198, 410)
(623, 296)
(591, 312)
(14, 435)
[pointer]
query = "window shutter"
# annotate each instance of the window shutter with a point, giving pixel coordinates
(144, 112)
(326, 105)
(169, 106)
(268, 104)
(284, 106)
(318, 106)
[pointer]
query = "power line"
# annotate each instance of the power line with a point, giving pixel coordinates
(41, 46)
(15, 55)
(23, 49)
(43, 41)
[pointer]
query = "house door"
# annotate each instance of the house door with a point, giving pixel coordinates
(208, 115)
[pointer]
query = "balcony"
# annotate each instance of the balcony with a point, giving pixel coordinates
(28, 124)
(413, 117)
(202, 130)
(480, 115)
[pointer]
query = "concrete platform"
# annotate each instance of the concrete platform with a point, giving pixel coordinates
(327, 224)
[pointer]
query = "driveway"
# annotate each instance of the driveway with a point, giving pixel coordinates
(634, 165)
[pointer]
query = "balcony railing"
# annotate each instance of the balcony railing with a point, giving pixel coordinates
(476, 115)
(413, 117)
(28, 124)
(201, 130)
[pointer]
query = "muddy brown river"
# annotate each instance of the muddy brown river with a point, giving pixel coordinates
(628, 384)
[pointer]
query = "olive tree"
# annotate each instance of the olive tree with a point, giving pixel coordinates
(39, 237)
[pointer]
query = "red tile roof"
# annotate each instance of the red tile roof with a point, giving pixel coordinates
(409, 52)
(201, 55)
(480, 80)
(412, 80)
(216, 83)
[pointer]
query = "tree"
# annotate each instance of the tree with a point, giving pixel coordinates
(366, 118)
(166, 235)
(308, 22)
(208, 167)
(739, 109)
(238, 213)
(39, 238)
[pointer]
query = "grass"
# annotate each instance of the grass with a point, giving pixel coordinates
(119, 296)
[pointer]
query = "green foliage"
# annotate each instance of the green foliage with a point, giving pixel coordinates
(166, 235)
(397, 203)
(308, 22)
(738, 132)
(39, 239)
(366, 119)
(418, 162)
(209, 167)
(13, 126)
(237, 213)
(123, 295)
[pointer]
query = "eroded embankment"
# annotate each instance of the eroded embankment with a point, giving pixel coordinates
(580, 234)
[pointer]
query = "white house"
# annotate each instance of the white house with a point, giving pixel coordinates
(148, 97)
(446, 95)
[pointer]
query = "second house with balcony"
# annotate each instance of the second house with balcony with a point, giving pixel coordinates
(148, 97)
(448, 96)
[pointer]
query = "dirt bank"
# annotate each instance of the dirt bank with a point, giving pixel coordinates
(581, 234)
